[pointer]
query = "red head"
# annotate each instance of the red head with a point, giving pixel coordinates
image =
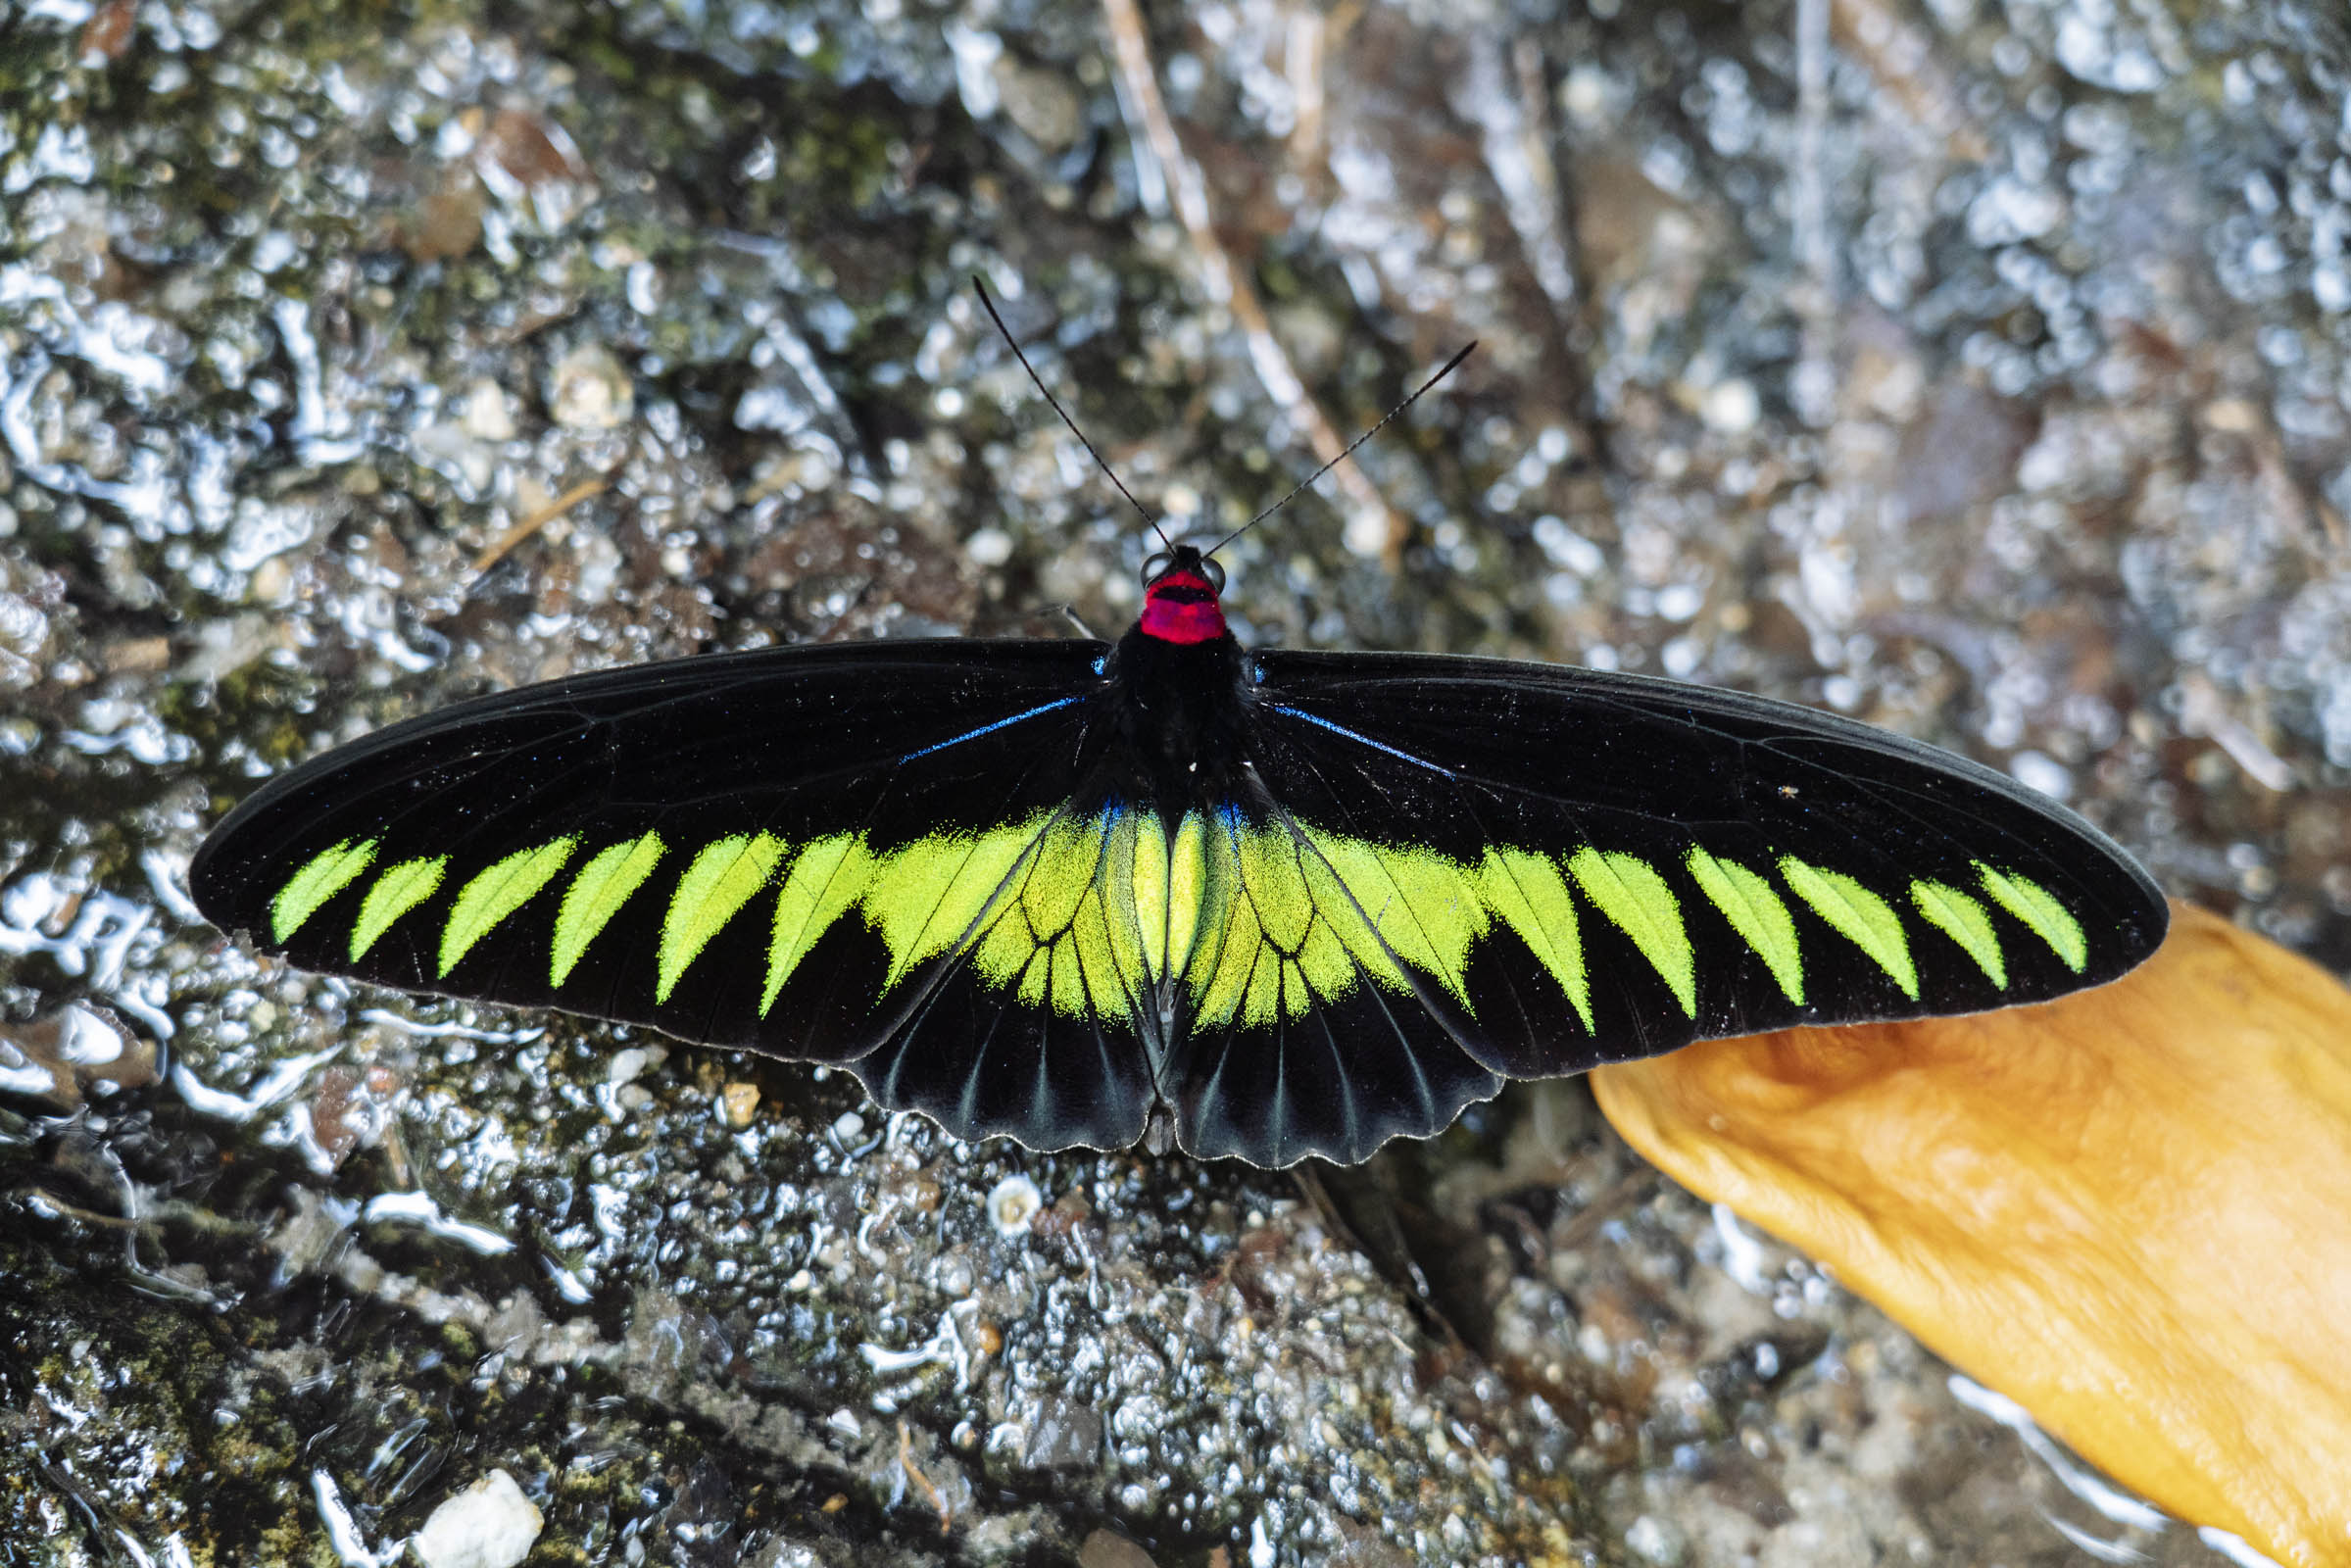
(1179, 597)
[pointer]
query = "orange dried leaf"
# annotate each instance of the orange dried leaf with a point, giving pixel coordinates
(2130, 1210)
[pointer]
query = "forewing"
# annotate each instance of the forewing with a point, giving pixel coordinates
(790, 850)
(1550, 868)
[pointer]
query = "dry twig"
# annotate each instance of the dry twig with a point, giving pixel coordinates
(1150, 124)
(906, 1462)
(505, 544)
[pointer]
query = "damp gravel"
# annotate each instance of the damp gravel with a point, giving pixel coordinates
(1980, 369)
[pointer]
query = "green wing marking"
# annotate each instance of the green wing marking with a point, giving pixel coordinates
(826, 878)
(1422, 907)
(1964, 921)
(399, 890)
(1134, 867)
(1165, 880)
(1628, 891)
(1294, 916)
(1528, 894)
(1862, 918)
(322, 878)
(1050, 943)
(596, 894)
(927, 897)
(1256, 923)
(1756, 914)
(498, 893)
(1265, 920)
(1070, 962)
(2040, 909)
(720, 880)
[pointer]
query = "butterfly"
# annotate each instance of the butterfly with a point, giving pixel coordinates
(1279, 904)
(1254, 903)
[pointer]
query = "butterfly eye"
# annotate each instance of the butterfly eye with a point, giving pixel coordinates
(1187, 556)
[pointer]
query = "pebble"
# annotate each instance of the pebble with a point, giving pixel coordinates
(490, 1524)
(588, 390)
(1014, 1204)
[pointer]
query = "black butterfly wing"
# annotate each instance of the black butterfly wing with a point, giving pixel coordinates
(1532, 871)
(816, 853)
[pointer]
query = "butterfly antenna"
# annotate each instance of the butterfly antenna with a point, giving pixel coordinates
(1010, 342)
(1443, 372)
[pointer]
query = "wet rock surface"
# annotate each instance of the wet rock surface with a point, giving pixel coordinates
(1978, 371)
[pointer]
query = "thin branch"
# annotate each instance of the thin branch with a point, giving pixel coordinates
(1149, 123)
(505, 542)
(906, 1462)
(1813, 387)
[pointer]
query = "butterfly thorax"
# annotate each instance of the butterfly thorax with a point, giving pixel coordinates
(1178, 719)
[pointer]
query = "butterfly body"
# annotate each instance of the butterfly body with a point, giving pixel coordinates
(1277, 903)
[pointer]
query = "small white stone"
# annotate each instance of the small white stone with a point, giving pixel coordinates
(1656, 1540)
(588, 390)
(1045, 105)
(88, 1039)
(1012, 1204)
(1731, 407)
(1588, 96)
(1366, 533)
(989, 547)
(490, 1524)
(20, 1075)
(487, 417)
